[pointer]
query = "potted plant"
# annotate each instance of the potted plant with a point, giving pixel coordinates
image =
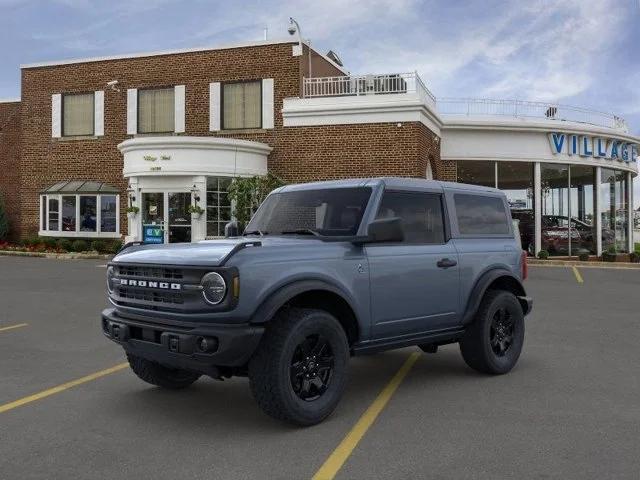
(543, 255)
(132, 211)
(583, 255)
(195, 210)
(610, 255)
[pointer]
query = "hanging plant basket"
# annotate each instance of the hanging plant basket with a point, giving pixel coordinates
(196, 211)
(132, 212)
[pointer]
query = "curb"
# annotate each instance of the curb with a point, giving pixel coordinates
(577, 263)
(57, 256)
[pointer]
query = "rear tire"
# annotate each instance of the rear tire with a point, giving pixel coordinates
(493, 342)
(159, 375)
(299, 371)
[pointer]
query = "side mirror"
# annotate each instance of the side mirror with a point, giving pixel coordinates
(231, 229)
(385, 230)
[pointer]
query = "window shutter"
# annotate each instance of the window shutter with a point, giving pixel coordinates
(179, 94)
(98, 112)
(56, 115)
(267, 103)
(214, 107)
(132, 111)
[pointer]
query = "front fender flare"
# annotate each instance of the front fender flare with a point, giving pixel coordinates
(282, 295)
(481, 286)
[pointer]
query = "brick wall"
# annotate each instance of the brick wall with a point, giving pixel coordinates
(299, 153)
(10, 163)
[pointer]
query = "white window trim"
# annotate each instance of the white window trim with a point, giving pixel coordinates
(78, 233)
(179, 97)
(132, 111)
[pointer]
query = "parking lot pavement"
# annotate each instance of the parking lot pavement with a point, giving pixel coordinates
(568, 410)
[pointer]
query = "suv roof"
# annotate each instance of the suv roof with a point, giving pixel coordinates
(393, 182)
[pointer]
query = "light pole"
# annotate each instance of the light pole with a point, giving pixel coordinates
(294, 27)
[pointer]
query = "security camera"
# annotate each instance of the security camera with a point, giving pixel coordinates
(112, 85)
(291, 29)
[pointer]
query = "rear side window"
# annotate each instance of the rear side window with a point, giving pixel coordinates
(481, 215)
(421, 215)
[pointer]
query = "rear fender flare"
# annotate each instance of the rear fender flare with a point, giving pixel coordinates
(481, 286)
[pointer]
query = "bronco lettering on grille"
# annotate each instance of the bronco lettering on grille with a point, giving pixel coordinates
(149, 284)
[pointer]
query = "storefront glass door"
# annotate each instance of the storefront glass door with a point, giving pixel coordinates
(165, 217)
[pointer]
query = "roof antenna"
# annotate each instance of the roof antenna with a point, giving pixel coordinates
(266, 33)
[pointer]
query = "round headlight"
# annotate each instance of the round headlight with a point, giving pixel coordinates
(110, 274)
(214, 288)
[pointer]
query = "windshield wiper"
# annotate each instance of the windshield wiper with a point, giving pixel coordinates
(254, 232)
(301, 231)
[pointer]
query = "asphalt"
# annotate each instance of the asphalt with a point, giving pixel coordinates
(569, 409)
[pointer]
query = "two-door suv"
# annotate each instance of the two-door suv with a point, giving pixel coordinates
(322, 272)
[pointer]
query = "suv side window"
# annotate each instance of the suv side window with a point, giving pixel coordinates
(481, 215)
(421, 215)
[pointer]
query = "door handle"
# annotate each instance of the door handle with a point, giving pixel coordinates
(446, 263)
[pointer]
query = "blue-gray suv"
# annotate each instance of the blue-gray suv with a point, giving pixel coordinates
(324, 271)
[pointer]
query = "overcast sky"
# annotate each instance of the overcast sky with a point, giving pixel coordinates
(581, 52)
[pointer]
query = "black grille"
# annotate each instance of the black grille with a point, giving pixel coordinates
(149, 295)
(159, 273)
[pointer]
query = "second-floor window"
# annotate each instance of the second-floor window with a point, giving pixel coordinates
(156, 110)
(78, 114)
(242, 105)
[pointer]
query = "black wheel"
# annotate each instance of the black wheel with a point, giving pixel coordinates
(493, 342)
(159, 375)
(299, 371)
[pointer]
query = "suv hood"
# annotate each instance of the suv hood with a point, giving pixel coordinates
(206, 253)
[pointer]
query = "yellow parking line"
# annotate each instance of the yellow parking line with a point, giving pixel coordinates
(60, 388)
(11, 327)
(577, 274)
(340, 455)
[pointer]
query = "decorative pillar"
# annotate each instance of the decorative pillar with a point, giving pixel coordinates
(537, 207)
(598, 211)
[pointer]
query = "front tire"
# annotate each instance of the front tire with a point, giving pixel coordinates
(493, 342)
(299, 371)
(159, 375)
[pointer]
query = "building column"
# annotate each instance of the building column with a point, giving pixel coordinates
(598, 211)
(134, 223)
(199, 225)
(537, 207)
(630, 211)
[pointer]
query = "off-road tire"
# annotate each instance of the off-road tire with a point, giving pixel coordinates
(159, 375)
(270, 368)
(476, 346)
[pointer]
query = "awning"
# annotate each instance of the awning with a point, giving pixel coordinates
(81, 186)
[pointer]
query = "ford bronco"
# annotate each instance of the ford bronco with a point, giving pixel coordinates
(325, 271)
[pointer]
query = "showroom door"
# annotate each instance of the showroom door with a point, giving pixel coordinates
(179, 218)
(153, 217)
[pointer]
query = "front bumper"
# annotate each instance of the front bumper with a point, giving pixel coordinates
(177, 346)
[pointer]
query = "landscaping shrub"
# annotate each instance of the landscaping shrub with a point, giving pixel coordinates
(30, 241)
(543, 254)
(99, 246)
(79, 246)
(48, 242)
(64, 244)
(115, 247)
(583, 256)
(634, 257)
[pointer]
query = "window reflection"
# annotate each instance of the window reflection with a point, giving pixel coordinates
(515, 179)
(615, 210)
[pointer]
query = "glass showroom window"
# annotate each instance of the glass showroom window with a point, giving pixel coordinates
(515, 179)
(242, 105)
(554, 181)
(156, 110)
(477, 173)
(78, 215)
(78, 114)
(614, 195)
(218, 205)
(582, 205)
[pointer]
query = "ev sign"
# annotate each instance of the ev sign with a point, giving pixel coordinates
(152, 234)
(590, 146)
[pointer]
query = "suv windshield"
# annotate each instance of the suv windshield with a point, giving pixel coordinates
(327, 211)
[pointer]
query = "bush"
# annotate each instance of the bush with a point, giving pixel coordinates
(64, 244)
(48, 242)
(4, 221)
(543, 254)
(115, 246)
(634, 257)
(583, 256)
(30, 241)
(79, 246)
(99, 246)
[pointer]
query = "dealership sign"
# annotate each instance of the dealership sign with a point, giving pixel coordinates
(592, 146)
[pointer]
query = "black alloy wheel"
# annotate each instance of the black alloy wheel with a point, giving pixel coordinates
(501, 332)
(312, 368)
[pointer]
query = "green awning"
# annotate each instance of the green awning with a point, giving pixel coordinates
(82, 187)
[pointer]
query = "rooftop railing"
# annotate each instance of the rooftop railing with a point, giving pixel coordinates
(411, 83)
(525, 109)
(357, 85)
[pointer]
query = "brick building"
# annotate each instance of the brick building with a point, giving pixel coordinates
(162, 131)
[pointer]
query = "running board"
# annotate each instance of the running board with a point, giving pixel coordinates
(440, 337)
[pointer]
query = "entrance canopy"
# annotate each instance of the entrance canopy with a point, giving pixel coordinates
(81, 187)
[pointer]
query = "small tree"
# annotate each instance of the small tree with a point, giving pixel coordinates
(247, 193)
(4, 220)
